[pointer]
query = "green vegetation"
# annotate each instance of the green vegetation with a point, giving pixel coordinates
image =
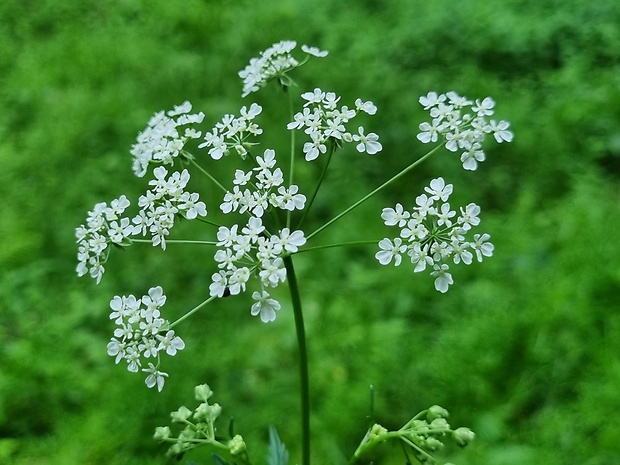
(523, 348)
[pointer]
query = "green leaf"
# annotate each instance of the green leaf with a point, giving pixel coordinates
(217, 460)
(277, 455)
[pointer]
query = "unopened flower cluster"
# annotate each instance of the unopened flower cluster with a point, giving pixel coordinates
(142, 334)
(323, 121)
(422, 435)
(252, 250)
(462, 125)
(163, 140)
(199, 427)
(159, 206)
(432, 234)
(274, 62)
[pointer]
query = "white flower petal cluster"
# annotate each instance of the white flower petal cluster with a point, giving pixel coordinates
(265, 189)
(164, 137)
(104, 226)
(141, 334)
(251, 250)
(462, 124)
(160, 205)
(158, 208)
(432, 234)
(272, 63)
(232, 133)
(323, 121)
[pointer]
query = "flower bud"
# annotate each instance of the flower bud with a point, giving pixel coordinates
(433, 444)
(181, 415)
(162, 433)
(463, 436)
(439, 424)
(207, 413)
(436, 412)
(377, 431)
(203, 392)
(236, 445)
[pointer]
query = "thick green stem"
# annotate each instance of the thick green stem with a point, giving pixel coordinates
(303, 360)
(382, 186)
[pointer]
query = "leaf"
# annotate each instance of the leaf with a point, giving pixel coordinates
(219, 460)
(277, 455)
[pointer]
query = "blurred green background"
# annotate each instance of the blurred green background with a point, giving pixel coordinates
(524, 349)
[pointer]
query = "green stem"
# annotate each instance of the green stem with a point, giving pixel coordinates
(175, 241)
(340, 244)
(207, 174)
(191, 312)
(318, 185)
(303, 360)
(366, 197)
(292, 162)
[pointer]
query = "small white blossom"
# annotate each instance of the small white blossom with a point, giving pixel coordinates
(264, 306)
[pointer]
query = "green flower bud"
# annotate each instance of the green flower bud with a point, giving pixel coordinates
(377, 431)
(436, 412)
(181, 415)
(463, 436)
(439, 424)
(236, 445)
(162, 433)
(203, 392)
(207, 413)
(433, 444)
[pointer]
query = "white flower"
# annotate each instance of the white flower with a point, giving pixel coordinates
(390, 250)
(500, 131)
(367, 143)
(431, 99)
(366, 107)
(395, 216)
(155, 377)
(265, 306)
(314, 51)
(170, 343)
(443, 279)
(439, 190)
(482, 247)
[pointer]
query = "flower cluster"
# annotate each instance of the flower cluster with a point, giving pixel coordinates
(251, 249)
(431, 234)
(264, 179)
(162, 140)
(104, 226)
(461, 130)
(198, 427)
(159, 206)
(323, 121)
(272, 63)
(163, 202)
(142, 333)
(232, 133)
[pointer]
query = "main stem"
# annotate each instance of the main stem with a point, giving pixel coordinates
(303, 360)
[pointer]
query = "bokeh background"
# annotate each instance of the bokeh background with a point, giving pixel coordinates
(524, 349)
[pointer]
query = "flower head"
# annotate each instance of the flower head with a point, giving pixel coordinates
(461, 130)
(432, 235)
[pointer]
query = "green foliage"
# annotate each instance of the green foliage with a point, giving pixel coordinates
(277, 454)
(524, 347)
